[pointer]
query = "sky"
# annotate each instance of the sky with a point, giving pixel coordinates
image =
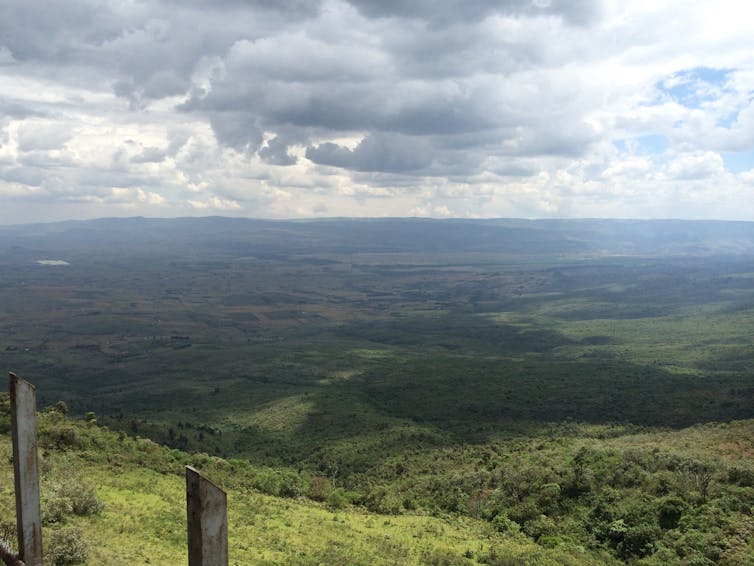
(366, 108)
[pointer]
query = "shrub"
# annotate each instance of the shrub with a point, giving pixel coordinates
(61, 436)
(319, 488)
(66, 546)
(382, 500)
(741, 476)
(338, 498)
(540, 527)
(670, 511)
(70, 495)
(55, 507)
(280, 483)
(639, 541)
(443, 558)
(505, 525)
(84, 498)
(291, 484)
(8, 529)
(59, 407)
(524, 511)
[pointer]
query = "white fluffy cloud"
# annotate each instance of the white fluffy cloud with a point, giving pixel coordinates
(368, 108)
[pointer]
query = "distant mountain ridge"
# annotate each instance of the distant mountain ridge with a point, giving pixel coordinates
(238, 236)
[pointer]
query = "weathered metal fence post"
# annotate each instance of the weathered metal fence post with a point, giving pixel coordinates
(23, 402)
(207, 521)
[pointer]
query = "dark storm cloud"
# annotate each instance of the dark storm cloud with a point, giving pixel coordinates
(53, 30)
(418, 108)
(296, 9)
(144, 50)
(388, 153)
(238, 130)
(347, 75)
(276, 152)
(429, 92)
(574, 11)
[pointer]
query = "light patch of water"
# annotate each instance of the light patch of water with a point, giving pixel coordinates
(52, 262)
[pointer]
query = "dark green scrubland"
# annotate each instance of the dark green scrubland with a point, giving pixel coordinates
(395, 391)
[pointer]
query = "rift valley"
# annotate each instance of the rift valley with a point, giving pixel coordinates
(394, 391)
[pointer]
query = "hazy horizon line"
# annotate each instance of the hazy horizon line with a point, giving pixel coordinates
(373, 218)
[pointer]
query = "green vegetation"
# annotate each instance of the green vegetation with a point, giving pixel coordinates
(580, 495)
(394, 391)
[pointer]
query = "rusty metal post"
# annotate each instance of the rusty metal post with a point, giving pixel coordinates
(23, 403)
(207, 521)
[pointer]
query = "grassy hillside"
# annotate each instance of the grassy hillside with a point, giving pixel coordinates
(589, 495)
(135, 512)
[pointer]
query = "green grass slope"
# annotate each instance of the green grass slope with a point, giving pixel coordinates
(111, 499)
(584, 495)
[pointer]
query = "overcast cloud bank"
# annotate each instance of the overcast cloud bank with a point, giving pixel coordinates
(516, 108)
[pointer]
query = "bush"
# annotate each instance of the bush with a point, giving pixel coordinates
(338, 499)
(319, 488)
(443, 558)
(84, 498)
(55, 507)
(540, 527)
(503, 524)
(280, 483)
(670, 511)
(70, 495)
(382, 500)
(741, 476)
(66, 546)
(524, 512)
(59, 407)
(61, 436)
(291, 484)
(639, 541)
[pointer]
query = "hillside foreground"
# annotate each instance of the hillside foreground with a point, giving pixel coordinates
(662, 497)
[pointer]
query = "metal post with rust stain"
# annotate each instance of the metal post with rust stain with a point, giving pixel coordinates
(23, 403)
(207, 521)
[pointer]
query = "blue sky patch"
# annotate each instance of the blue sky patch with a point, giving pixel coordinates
(738, 161)
(694, 87)
(650, 144)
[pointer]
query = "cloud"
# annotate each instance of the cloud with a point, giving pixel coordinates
(389, 153)
(366, 107)
(215, 203)
(276, 152)
(238, 130)
(696, 166)
(149, 155)
(6, 57)
(629, 167)
(747, 177)
(30, 176)
(445, 13)
(133, 196)
(15, 109)
(42, 136)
